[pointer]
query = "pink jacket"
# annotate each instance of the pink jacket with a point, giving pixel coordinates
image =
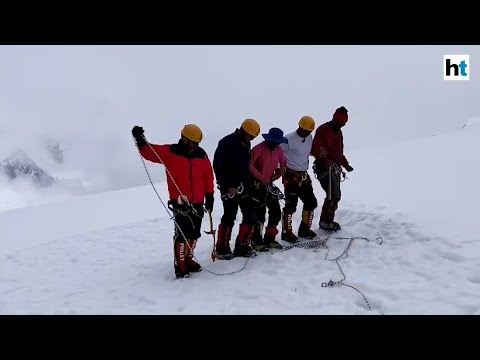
(264, 162)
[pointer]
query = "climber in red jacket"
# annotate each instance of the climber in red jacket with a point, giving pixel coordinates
(190, 187)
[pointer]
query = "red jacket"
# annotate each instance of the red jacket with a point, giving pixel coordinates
(331, 141)
(192, 171)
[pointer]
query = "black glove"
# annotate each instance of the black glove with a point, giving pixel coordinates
(209, 202)
(137, 133)
(348, 168)
(175, 207)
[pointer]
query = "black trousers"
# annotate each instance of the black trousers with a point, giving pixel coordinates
(265, 201)
(231, 205)
(330, 183)
(298, 188)
(190, 223)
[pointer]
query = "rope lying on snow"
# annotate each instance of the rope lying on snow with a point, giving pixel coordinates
(319, 244)
(344, 255)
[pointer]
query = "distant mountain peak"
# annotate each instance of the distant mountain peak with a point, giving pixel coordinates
(19, 165)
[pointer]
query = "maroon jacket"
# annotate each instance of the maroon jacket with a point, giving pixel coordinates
(328, 144)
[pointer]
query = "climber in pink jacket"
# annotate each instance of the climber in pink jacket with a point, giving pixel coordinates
(267, 164)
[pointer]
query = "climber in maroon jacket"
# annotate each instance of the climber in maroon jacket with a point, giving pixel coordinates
(327, 149)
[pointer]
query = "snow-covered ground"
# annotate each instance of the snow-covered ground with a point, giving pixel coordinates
(411, 208)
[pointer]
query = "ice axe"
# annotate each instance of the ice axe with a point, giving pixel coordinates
(213, 233)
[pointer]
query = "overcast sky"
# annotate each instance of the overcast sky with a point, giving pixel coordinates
(93, 95)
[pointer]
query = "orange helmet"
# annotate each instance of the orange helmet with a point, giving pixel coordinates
(192, 132)
(307, 123)
(251, 127)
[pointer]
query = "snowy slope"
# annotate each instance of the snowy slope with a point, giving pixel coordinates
(475, 121)
(434, 180)
(26, 227)
(111, 253)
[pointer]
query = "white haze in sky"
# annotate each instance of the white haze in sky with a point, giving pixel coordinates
(89, 97)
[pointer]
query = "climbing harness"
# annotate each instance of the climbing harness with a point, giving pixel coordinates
(272, 193)
(332, 168)
(240, 191)
(298, 177)
(275, 192)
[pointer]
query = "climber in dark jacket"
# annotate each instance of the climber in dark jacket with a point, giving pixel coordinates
(231, 166)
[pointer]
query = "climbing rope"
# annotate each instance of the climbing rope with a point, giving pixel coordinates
(318, 244)
(231, 272)
(272, 193)
(343, 256)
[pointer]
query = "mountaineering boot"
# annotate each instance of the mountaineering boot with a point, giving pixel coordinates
(223, 243)
(324, 216)
(192, 265)
(269, 238)
(304, 230)
(287, 233)
(328, 214)
(180, 265)
(331, 227)
(243, 242)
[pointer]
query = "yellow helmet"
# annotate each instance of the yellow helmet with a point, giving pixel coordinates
(192, 132)
(307, 123)
(251, 127)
